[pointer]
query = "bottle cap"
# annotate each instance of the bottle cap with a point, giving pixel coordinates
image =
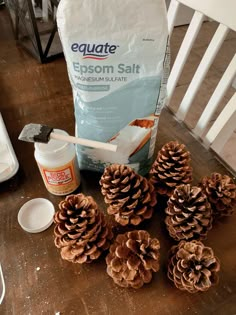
(36, 215)
(54, 148)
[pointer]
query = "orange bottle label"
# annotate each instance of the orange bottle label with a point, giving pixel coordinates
(61, 180)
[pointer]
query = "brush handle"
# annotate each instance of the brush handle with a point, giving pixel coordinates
(86, 142)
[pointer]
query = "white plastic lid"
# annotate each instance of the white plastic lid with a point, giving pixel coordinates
(36, 215)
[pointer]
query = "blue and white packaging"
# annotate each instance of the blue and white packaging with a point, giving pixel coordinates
(117, 64)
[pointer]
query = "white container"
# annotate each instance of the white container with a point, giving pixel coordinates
(58, 165)
(8, 161)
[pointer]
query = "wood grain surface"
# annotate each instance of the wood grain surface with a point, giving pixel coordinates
(37, 280)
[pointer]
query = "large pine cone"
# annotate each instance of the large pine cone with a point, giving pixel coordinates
(81, 231)
(130, 196)
(171, 168)
(193, 267)
(189, 213)
(221, 193)
(133, 258)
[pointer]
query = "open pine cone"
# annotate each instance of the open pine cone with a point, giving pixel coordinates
(189, 213)
(193, 267)
(171, 168)
(81, 231)
(133, 258)
(130, 196)
(221, 193)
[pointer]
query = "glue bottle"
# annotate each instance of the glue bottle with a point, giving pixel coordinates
(58, 165)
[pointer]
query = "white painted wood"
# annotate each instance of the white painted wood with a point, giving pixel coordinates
(183, 53)
(223, 127)
(45, 10)
(54, 13)
(202, 70)
(171, 15)
(225, 13)
(234, 83)
(222, 11)
(184, 15)
(2, 286)
(216, 97)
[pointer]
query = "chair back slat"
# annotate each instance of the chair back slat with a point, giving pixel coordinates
(202, 70)
(223, 127)
(183, 53)
(216, 97)
(171, 15)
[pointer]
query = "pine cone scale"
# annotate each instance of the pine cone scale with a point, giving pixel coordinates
(133, 263)
(136, 220)
(122, 219)
(132, 205)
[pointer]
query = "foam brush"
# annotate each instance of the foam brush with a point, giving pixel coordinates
(43, 133)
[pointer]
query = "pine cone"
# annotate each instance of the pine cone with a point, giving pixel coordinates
(81, 231)
(221, 193)
(189, 213)
(171, 168)
(133, 258)
(193, 266)
(130, 196)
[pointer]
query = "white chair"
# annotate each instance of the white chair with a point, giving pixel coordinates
(223, 12)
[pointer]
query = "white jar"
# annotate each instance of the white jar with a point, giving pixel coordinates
(58, 165)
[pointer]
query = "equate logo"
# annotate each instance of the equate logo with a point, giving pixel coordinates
(94, 51)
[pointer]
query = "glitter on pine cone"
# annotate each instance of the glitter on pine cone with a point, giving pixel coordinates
(81, 231)
(131, 198)
(133, 258)
(171, 168)
(221, 193)
(189, 214)
(193, 267)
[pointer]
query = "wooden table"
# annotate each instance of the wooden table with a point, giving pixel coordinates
(37, 280)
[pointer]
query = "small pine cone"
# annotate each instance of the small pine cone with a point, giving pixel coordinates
(221, 193)
(189, 213)
(130, 196)
(171, 168)
(81, 231)
(132, 259)
(193, 267)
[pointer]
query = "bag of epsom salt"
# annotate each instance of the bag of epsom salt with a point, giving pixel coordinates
(116, 59)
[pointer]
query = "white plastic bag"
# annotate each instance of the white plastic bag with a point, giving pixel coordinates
(115, 52)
